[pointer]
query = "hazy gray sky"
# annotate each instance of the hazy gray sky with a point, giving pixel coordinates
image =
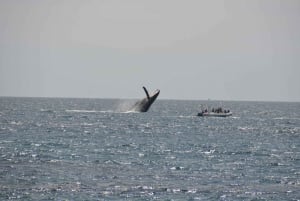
(190, 49)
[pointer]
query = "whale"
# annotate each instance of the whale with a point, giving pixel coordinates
(144, 104)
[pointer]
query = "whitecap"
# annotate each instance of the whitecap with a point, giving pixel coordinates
(82, 111)
(209, 152)
(177, 168)
(54, 161)
(286, 118)
(147, 187)
(245, 128)
(18, 123)
(190, 116)
(176, 190)
(130, 111)
(47, 110)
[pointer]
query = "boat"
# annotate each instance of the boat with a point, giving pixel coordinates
(214, 114)
(218, 112)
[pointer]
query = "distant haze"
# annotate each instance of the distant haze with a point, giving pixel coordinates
(224, 50)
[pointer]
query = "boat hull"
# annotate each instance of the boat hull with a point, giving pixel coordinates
(213, 114)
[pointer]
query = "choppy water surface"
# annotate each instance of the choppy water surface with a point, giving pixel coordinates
(89, 149)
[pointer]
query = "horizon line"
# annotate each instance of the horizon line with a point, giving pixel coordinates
(170, 99)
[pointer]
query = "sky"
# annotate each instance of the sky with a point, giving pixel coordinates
(192, 49)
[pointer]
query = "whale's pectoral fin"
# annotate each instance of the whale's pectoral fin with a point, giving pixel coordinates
(146, 92)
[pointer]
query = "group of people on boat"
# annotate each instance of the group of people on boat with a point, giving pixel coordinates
(215, 112)
(219, 110)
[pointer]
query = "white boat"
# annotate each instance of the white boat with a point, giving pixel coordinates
(214, 114)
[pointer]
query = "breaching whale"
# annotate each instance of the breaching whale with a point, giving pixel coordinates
(144, 104)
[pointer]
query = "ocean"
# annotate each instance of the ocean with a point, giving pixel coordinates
(92, 149)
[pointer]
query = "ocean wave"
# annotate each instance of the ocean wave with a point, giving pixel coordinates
(82, 111)
(286, 118)
(47, 110)
(100, 111)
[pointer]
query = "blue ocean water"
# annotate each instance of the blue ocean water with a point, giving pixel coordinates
(90, 149)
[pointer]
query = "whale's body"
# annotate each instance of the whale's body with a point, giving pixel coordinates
(144, 104)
